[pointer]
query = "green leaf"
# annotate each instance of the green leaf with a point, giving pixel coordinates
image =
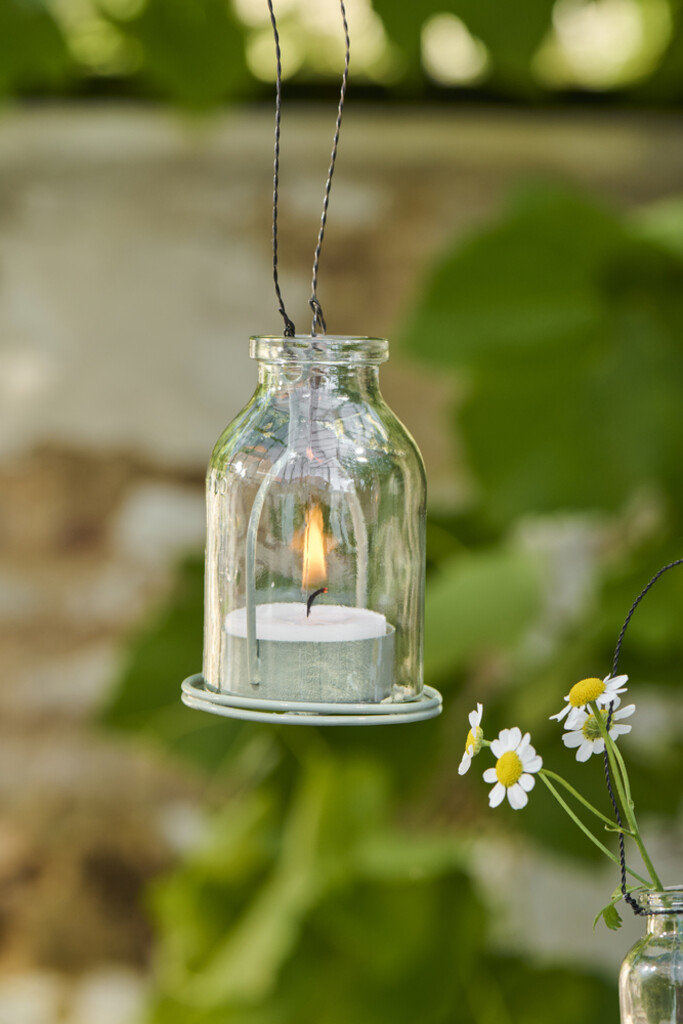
(512, 35)
(666, 80)
(146, 699)
(611, 917)
(537, 995)
(565, 324)
(164, 652)
(33, 51)
(662, 223)
(193, 50)
(529, 281)
(478, 604)
(610, 914)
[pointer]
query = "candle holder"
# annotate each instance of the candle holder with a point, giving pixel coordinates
(315, 557)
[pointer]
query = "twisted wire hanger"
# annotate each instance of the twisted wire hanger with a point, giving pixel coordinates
(290, 329)
(314, 303)
(318, 318)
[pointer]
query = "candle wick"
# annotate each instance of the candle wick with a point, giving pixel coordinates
(309, 603)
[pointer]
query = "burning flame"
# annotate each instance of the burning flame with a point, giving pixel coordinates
(315, 568)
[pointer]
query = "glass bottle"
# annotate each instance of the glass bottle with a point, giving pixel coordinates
(315, 557)
(651, 976)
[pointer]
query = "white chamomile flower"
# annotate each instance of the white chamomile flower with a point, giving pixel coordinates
(584, 732)
(603, 691)
(474, 739)
(516, 759)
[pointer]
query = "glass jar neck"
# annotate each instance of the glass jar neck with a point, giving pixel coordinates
(665, 911)
(325, 364)
(362, 381)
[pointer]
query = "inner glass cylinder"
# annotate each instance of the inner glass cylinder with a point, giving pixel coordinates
(315, 533)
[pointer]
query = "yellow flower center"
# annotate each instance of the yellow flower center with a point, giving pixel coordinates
(509, 768)
(591, 728)
(474, 738)
(585, 691)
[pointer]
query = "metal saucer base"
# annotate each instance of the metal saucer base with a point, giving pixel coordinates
(195, 694)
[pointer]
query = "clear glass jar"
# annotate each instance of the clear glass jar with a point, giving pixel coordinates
(315, 489)
(651, 976)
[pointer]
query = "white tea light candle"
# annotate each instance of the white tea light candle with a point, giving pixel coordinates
(335, 654)
(327, 623)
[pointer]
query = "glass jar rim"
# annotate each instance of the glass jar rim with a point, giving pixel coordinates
(319, 349)
(662, 901)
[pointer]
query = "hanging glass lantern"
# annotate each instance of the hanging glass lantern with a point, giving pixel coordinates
(315, 554)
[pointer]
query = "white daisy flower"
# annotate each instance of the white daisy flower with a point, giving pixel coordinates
(603, 691)
(585, 733)
(474, 740)
(516, 758)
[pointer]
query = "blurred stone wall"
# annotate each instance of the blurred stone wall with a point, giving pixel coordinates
(134, 264)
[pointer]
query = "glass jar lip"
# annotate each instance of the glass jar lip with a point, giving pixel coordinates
(670, 898)
(319, 349)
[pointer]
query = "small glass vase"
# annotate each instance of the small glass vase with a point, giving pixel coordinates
(651, 976)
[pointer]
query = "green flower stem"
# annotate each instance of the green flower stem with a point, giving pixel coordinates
(618, 770)
(636, 831)
(624, 774)
(586, 831)
(586, 803)
(621, 780)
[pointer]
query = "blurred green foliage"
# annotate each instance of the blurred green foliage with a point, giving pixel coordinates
(512, 34)
(339, 878)
(195, 53)
(588, 349)
(34, 53)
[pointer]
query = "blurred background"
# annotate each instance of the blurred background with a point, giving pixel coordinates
(508, 210)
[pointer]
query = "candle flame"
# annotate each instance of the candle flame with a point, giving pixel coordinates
(315, 568)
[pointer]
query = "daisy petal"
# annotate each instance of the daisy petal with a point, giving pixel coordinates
(498, 748)
(534, 764)
(624, 712)
(528, 754)
(517, 797)
(584, 751)
(514, 738)
(523, 744)
(606, 700)
(619, 730)
(527, 782)
(560, 715)
(475, 716)
(490, 775)
(497, 795)
(576, 719)
(465, 763)
(572, 739)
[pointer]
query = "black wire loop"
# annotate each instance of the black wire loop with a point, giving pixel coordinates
(318, 317)
(641, 595)
(633, 904)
